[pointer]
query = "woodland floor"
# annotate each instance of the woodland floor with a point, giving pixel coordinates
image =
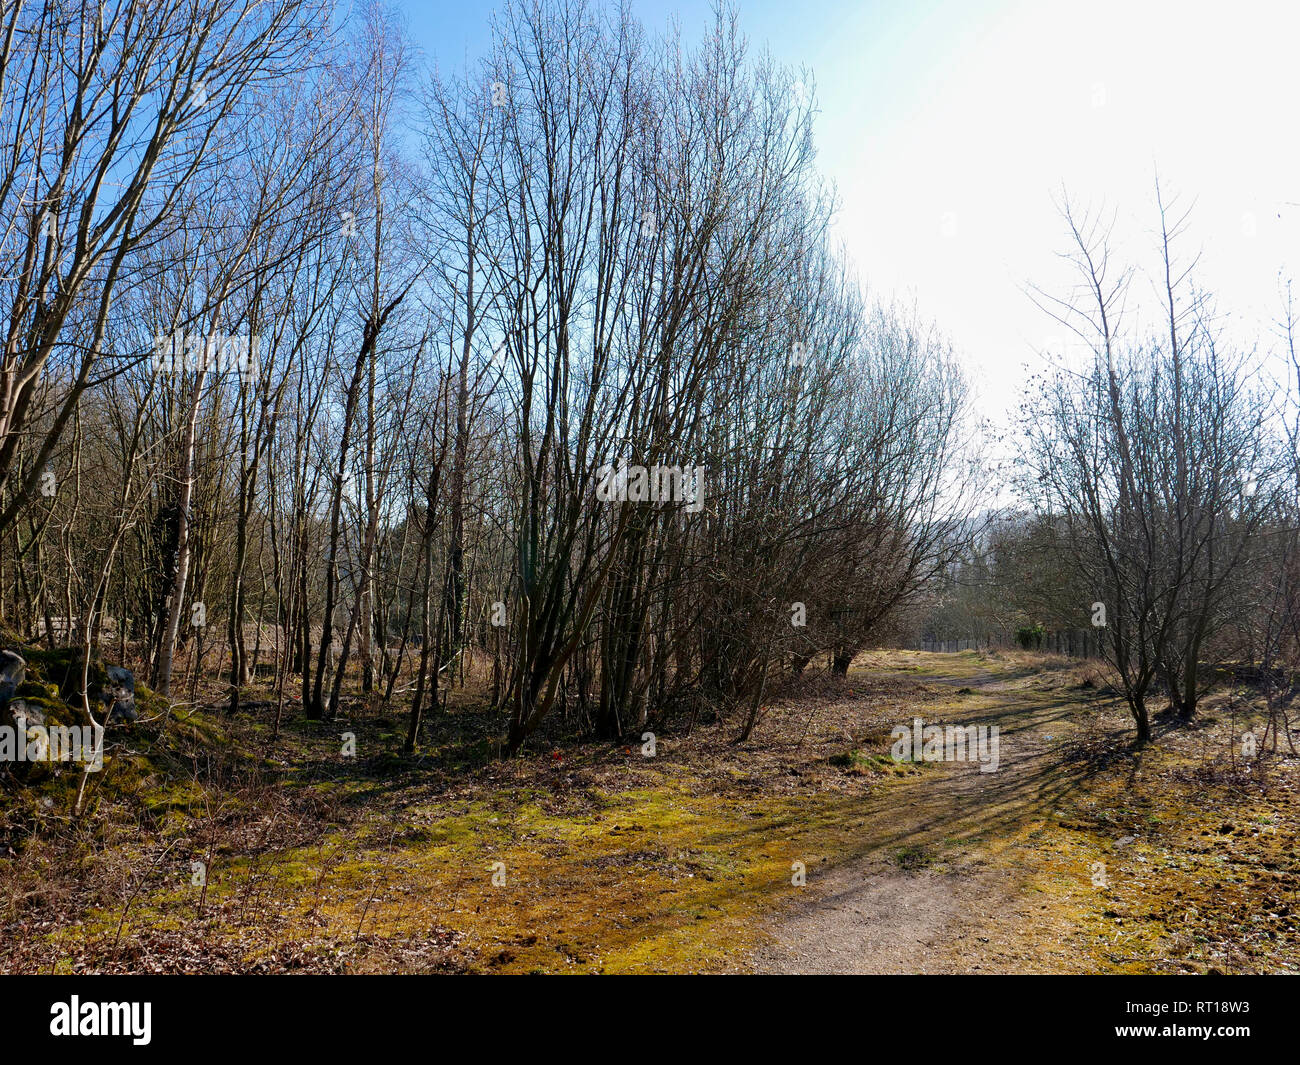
(616, 862)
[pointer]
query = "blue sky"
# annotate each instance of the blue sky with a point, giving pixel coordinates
(948, 128)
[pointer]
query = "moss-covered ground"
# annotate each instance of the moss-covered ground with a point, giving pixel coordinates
(206, 845)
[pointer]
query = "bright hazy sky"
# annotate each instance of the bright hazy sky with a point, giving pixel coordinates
(948, 127)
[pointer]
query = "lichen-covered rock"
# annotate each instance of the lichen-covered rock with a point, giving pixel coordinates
(120, 693)
(13, 671)
(20, 716)
(17, 719)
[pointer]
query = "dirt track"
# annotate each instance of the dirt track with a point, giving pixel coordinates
(958, 907)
